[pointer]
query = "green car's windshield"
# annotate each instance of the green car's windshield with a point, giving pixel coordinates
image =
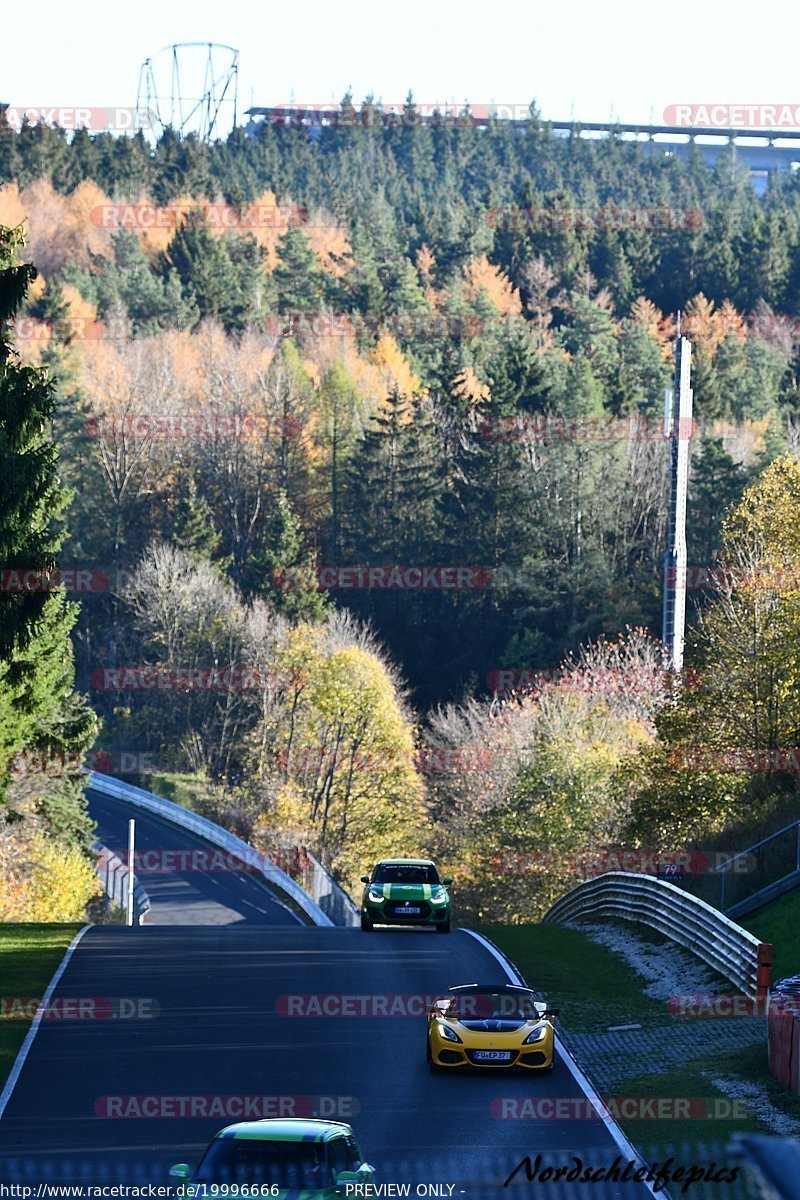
(290, 1165)
(405, 873)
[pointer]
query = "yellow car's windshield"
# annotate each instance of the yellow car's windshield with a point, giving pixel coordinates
(492, 1006)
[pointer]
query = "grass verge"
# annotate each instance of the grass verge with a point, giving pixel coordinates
(558, 962)
(29, 956)
(190, 791)
(779, 923)
(594, 988)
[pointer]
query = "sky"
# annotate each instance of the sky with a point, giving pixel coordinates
(623, 59)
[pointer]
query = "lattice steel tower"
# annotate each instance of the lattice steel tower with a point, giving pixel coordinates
(190, 86)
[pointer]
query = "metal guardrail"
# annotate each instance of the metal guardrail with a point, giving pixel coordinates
(678, 915)
(216, 835)
(113, 875)
(328, 894)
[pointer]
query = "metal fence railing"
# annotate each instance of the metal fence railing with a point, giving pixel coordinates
(678, 915)
(113, 875)
(755, 875)
(202, 828)
(328, 894)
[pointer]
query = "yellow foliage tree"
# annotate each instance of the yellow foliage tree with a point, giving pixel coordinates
(47, 882)
(345, 748)
(482, 276)
(703, 325)
(467, 385)
(660, 328)
(751, 631)
(64, 229)
(12, 210)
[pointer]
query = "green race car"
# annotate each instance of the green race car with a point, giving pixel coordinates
(307, 1159)
(405, 891)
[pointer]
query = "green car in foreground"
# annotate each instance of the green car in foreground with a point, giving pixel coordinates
(405, 891)
(311, 1159)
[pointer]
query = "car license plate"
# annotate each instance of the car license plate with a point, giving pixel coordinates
(491, 1055)
(410, 910)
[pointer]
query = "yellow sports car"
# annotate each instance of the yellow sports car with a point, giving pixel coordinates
(490, 1025)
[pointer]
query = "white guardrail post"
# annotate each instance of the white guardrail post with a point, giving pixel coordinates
(331, 895)
(690, 922)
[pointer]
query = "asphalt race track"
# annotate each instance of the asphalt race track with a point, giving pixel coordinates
(179, 894)
(206, 1019)
(217, 1033)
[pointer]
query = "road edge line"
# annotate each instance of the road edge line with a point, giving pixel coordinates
(624, 1145)
(22, 1053)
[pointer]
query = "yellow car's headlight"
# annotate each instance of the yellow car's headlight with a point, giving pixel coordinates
(447, 1033)
(536, 1035)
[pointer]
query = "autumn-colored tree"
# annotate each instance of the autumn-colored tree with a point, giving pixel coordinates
(482, 276)
(751, 631)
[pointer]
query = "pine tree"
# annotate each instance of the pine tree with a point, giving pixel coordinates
(716, 484)
(32, 501)
(211, 279)
(285, 571)
(38, 708)
(298, 278)
(193, 529)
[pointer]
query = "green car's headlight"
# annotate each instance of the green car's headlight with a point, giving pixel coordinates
(449, 1034)
(536, 1035)
(439, 899)
(374, 896)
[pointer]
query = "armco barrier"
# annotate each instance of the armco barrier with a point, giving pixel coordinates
(216, 836)
(328, 894)
(692, 923)
(113, 875)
